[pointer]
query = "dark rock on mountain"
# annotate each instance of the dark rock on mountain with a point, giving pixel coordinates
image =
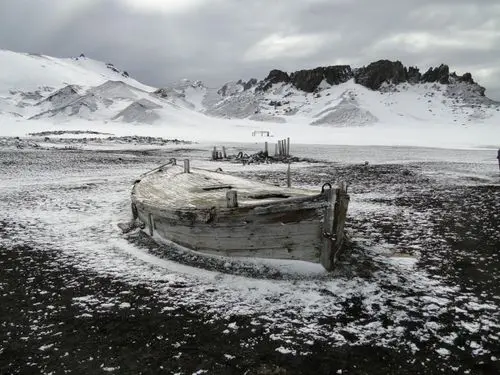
(274, 76)
(466, 78)
(309, 80)
(413, 75)
(162, 93)
(440, 74)
(251, 83)
(373, 75)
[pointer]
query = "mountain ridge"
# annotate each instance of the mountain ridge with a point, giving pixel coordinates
(43, 87)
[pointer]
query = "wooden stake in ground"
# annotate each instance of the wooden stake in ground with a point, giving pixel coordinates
(288, 177)
(187, 169)
(232, 199)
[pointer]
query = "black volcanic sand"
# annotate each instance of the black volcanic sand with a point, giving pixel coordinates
(43, 331)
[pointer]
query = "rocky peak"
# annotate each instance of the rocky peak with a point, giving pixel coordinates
(309, 80)
(376, 73)
(274, 76)
(413, 75)
(440, 74)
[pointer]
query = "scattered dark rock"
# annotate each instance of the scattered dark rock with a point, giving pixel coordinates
(162, 93)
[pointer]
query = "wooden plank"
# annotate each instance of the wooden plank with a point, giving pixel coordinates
(151, 224)
(287, 240)
(340, 218)
(326, 257)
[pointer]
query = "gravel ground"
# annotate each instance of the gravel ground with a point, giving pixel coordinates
(417, 291)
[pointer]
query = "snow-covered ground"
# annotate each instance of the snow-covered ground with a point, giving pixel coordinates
(390, 292)
(209, 129)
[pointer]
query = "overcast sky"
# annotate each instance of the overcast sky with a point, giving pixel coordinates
(160, 41)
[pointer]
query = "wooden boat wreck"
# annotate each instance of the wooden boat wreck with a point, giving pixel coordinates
(216, 213)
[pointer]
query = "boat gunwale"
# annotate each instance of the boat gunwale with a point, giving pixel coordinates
(242, 208)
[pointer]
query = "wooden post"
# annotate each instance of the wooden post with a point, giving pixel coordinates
(341, 205)
(266, 152)
(224, 152)
(186, 166)
(288, 177)
(276, 149)
(135, 213)
(232, 199)
(326, 258)
(214, 153)
(288, 146)
(151, 224)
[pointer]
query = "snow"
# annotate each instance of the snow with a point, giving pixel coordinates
(101, 98)
(29, 72)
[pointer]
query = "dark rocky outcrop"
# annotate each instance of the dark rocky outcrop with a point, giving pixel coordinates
(440, 74)
(373, 75)
(413, 75)
(277, 76)
(251, 83)
(309, 80)
(466, 78)
(274, 76)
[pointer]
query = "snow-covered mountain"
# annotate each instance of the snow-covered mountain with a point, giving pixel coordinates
(384, 91)
(306, 103)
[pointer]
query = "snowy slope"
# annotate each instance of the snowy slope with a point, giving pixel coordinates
(30, 72)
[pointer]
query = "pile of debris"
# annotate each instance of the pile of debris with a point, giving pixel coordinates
(260, 157)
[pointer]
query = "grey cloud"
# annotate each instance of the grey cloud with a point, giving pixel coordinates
(209, 40)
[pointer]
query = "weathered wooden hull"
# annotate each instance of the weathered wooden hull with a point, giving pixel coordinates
(297, 228)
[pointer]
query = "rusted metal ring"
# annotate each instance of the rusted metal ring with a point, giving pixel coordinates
(324, 185)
